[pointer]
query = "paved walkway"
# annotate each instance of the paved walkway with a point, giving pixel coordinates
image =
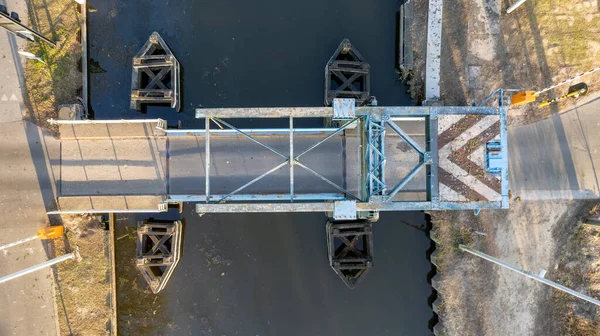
(558, 157)
(28, 306)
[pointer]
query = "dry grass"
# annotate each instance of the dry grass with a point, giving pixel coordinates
(480, 298)
(547, 42)
(541, 43)
(83, 285)
(579, 268)
(58, 81)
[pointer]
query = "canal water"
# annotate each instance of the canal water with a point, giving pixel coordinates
(260, 274)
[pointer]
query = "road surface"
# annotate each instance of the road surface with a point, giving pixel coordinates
(28, 306)
(558, 157)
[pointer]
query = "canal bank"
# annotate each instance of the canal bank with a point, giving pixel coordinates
(260, 274)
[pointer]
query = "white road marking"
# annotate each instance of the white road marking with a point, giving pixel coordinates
(447, 120)
(450, 194)
(458, 172)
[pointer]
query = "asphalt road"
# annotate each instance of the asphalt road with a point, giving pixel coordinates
(28, 306)
(558, 157)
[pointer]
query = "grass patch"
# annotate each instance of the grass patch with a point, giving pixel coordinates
(83, 285)
(568, 43)
(58, 81)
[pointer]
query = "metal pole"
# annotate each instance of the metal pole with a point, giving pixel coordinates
(568, 80)
(528, 274)
(112, 121)
(291, 159)
(251, 182)
(258, 131)
(405, 137)
(251, 138)
(592, 222)
(329, 136)
(36, 267)
(207, 159)
(327, 180)
(405, 180)
(18, 242)
(514, 6)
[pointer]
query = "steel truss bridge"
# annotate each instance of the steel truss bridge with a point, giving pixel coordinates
(367, 181)
(368, 159)
(361, 160)
(372, 126)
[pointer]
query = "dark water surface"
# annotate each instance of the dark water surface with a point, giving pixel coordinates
(264, 274)
(255, 274)
(241, 53)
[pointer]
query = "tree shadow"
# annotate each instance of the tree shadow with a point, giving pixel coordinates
(454, 38)
(59, 64)
(60, 296)
(48, 17)
(547, 81)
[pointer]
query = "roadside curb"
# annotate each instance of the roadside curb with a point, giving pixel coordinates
(112, 221)
(84, 56)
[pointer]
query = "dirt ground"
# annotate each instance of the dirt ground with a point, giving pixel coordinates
(479, 298)
(579, 268)
(540, 43)
(82, 284)
(59, 81)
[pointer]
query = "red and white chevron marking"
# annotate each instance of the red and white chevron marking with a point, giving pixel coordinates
(462, 173)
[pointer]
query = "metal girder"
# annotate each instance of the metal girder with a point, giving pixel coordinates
(405, 137)
(404, 181)
(372, 122)
(376, 157)
(378, 205)
(432, 173)
(291, 160)
(258, 197)
(327, 112)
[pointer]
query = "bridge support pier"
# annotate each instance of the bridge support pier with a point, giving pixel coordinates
(350, 249)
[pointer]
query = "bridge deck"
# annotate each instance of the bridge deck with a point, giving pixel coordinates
(132, 165)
